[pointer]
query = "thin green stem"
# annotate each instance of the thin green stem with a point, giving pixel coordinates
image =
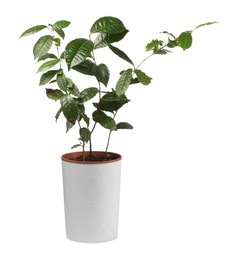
(99, 96)
(99, 91)
(145, 59)
(57, 48)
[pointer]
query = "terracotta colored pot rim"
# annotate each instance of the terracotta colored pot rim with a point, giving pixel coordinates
(70, 157)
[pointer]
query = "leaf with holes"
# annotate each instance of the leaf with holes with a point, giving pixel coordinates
(77, 51)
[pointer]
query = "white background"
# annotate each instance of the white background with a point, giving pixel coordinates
(179, 194)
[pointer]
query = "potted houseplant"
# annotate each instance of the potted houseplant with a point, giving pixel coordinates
(92, 178)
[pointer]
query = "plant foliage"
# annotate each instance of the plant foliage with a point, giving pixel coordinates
(79, 55)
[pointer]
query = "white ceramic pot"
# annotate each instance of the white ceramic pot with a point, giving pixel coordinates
(91, 197)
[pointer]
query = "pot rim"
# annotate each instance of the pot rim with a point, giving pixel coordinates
(69, 157)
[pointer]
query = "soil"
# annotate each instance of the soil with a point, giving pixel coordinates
(93, 158)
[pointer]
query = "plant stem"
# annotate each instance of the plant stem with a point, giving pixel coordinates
(109, 136)
(108, 140)
(99, 95)
(90, 140)
(83, 151)
(145, 59)
(99, 92)
(90, 147)
(93, 127)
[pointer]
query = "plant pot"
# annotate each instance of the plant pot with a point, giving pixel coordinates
(91, 197)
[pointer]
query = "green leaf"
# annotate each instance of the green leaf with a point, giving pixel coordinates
(204, 24)
(60, 33)
(170, 34)
(58, 114)
(76, 145)
(109, 25)
(60, 25)
(88, 94)
(102, 73)
(54, 94)
(124, 82)
(47, 65)
(52, 81)
(47, 56)
(134, 81)
(154, 45)
(42, 46)
(161, 51)
(62, 81)
(172, 43)
(124, 125)
(85, 134)
(77, 51)
(72, 88)
(111, 102)
(104, 120)
(82, 115)
(33, 30)
(57, 42)
(185, 40)
(62, 55)
(120, 53)
(142, 77)
(48, 76)
(104, 39)
(85, 67)
(68, 126)
(69, 108)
